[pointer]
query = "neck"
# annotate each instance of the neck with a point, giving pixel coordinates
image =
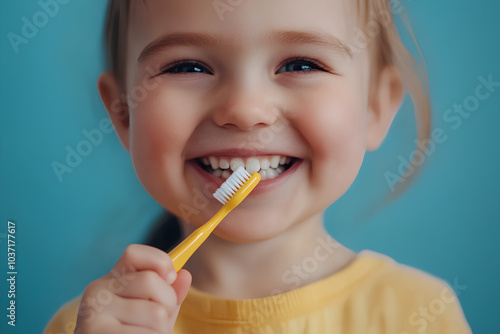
(304, 254)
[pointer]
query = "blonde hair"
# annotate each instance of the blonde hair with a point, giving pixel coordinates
(391, 51)
(116, 38)
(384, 44)
(387, 48)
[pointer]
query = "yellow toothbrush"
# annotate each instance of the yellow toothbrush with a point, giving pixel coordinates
(230, 193)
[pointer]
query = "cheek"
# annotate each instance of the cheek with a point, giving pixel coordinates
(332, 121)
(156, 130)
(159, 130)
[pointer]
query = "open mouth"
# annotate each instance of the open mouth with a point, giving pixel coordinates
(269, 167)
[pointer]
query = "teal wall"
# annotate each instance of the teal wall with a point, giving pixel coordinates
(70, 231)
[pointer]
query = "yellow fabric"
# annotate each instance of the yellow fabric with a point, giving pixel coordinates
(372, 295)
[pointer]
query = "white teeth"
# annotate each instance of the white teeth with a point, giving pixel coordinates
(224, 164)
(225, 174)
(267, 167)
(252, 165)
(264, 163)
(271, 173)
(214, 162)
(275, 161)
(236, 162)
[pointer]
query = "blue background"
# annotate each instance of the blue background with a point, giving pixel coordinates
(71, 232)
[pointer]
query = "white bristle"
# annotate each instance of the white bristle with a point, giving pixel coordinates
(232, 184)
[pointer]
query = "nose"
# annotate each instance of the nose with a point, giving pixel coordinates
(244, 107)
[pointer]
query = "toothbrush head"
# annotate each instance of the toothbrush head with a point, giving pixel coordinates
(237, 187)
(230, 193)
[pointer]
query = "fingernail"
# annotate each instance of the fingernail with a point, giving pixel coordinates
(171, 277)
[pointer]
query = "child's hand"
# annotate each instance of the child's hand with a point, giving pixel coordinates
(142, 294)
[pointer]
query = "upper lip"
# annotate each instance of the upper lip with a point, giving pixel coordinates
(242, 152)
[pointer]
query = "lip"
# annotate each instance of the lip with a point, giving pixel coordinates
(263, 186)
(242, 152)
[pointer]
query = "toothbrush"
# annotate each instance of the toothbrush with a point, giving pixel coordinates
(230, 193)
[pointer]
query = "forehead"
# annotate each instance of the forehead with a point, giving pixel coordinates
(240, 21)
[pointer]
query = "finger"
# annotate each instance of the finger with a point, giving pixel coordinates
(182, 284)
(109, 325)
(142, 257)
(143, 313)
(127, 329)
(149, 285)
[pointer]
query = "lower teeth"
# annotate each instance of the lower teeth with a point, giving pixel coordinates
(269, 173)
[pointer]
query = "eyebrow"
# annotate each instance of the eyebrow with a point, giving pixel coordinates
(319, 39)
(178, 39)
(284, 37)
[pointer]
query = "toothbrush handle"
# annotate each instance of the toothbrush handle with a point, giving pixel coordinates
(186, 248)
(183, 251)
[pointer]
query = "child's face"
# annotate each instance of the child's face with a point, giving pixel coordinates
(253, 86)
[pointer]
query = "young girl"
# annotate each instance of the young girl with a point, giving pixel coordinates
(296, 90)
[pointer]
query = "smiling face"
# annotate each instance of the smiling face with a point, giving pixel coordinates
(270, 84)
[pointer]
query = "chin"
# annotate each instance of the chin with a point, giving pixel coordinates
(248, 235)
(243, 227)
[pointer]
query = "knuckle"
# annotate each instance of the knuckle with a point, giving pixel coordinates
(107, 327)
(149, 278)
(94, 327)
(93, 286)
(166, 265)
(165, 261)
(170, 297)
(158, 315)
(130, 250)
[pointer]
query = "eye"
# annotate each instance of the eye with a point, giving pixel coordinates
(186, 66)
(301, 65)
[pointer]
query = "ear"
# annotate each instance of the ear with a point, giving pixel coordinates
(383, 106)
(117, 108)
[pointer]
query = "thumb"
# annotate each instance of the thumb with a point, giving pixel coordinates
(182, 284)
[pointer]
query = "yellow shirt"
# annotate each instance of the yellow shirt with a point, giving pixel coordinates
(373, 295)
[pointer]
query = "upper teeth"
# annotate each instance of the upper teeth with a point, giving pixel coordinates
(267, 166)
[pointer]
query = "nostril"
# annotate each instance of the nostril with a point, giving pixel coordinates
(244, 116)
(230, 126)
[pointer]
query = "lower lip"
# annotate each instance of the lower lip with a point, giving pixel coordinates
(263, 186)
